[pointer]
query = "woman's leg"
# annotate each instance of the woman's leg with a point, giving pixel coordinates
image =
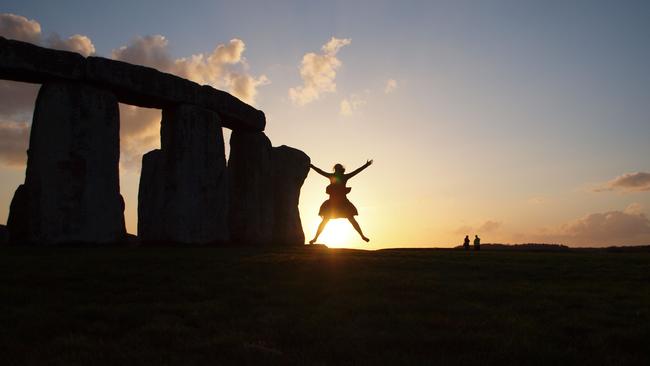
(356, 226)
(321, 226)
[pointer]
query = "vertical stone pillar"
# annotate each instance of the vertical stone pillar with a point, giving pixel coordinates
(251, 193)
(265, 187)
(183, 187)
(71, 191)
(290, 168)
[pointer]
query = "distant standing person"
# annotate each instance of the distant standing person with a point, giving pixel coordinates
(477, 243)
(466, 242)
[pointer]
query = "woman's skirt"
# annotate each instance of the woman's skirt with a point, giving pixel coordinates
(337, 209)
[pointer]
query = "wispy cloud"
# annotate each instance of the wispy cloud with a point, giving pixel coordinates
(629, 182)
(391, 85)
(349, 105)
(224, 68)
(318, 72)
(488, 226)
(630, 226)
(13, 143)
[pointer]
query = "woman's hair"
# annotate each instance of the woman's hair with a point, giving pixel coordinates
(339, 168)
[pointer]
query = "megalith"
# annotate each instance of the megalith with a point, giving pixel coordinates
(71, 191)
(289, 169)
(183, 194)
(251, 193)
(151, 197)
(265, 187)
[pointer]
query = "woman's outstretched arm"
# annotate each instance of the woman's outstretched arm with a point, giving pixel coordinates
(320, 171)
(364, 166)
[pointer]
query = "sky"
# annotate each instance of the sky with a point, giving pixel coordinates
(519, 121)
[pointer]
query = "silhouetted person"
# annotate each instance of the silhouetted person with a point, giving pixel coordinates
(338, 206)
(466, 242)
(477, 243)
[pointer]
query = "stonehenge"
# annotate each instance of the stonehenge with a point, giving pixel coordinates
(188, 193)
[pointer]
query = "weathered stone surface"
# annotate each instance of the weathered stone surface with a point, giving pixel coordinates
(251, 193)
(72, 184)
(265, 187)
(22, 61)
(184, 185)
(290, 168)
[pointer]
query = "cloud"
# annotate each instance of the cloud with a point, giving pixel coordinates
(630, 226)
(351, 104)
(224, 68)
(537, 200)
(14, 137)
(391, 85)
(148, 51)
(629, 182)
(318, 72)
(139, 133)
(76, 43)
(20, 28)
(489, 226)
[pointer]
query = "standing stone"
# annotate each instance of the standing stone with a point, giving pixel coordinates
(265, 187)
(4, 235)
(18, 220)
(183, 186)
(71, 191)
(251, 193)
(151, 197)
(290, 168)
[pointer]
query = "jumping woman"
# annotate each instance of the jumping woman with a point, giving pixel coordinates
(338, 206)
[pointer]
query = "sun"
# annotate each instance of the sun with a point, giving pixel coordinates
(337, 234)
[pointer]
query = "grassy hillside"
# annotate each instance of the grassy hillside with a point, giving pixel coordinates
(196, 306)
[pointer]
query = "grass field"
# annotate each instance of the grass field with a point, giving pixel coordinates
(199, 306)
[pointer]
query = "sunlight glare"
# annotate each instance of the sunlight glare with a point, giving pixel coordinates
(338, 233)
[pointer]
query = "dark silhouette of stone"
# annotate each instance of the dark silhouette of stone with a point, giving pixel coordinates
(289, 169)
(4, 235)
(140, 85)
(251, 193)
(151, 197)
(265, 187)
(236, 114)
(147, 87)
(18, 220)
(71, 189)
(184, 185)
(132, 84)
(22, 61)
